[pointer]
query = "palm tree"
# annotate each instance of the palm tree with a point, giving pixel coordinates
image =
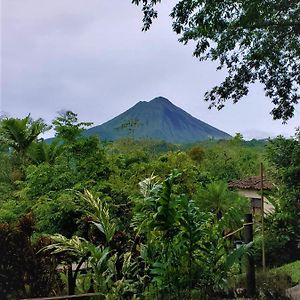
(42, 152)
(19, 134)
(216, 198)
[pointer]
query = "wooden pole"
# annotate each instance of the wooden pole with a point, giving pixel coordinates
(71, 285)
(250, 267)
(262, 217)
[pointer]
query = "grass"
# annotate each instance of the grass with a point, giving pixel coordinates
(292, 269)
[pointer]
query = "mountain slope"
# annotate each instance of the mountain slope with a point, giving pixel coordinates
(158, 119)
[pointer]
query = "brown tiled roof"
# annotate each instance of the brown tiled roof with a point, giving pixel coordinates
(252, 183)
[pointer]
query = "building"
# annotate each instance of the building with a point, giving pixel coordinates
(250, 188)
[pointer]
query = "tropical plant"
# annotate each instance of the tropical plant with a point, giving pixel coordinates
(230, 160)
(181, 244)
(24, 272)
(100, 215)
(19, 134)
(216, 198)
(102, 272)
(67, 127)
(282, 234)
(42, 152)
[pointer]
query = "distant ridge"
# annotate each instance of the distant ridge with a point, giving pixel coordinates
(157, 119)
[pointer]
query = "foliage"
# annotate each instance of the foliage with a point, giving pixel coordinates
(291, 269)
(249, 39)
(216, 198)
(283, 226)
(177, 249)
(11, 209)
(230, 160)
(162, 237)
(59, 215)
(6, 169)
(79, 164)
(16, 138)
(67, 127)
(107, 271)
(74, 247)
(44, 152)
(183, 246)
(197, 153)
(273, 285)
(191, 175)
(284, 155)
(20, 133)
(100, 215)
(48, 186)
(23, 272)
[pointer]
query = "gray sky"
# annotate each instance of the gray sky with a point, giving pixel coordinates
(90, 56)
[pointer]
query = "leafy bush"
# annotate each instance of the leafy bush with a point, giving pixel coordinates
(23, 272)
(182, 246)
(11, 210)
(270, 285)
(273, 285)
(58, 215)
(283, 225)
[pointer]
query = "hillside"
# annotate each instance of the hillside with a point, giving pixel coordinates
(157, 119)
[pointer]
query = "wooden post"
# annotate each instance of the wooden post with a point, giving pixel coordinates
(262, 217)
(71, 285)
(250, 268)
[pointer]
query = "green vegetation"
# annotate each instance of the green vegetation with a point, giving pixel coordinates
(291, 269)
(248, 39)
(137, 219)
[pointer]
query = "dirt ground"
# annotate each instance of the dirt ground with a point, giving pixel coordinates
(294, 292)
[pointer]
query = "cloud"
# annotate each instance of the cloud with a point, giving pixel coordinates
(91, 57)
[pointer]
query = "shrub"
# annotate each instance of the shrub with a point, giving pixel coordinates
(270, 285)
(273, 285)
(23, 271)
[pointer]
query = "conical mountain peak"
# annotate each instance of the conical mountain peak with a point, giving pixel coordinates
(161, 99)
(157, 119)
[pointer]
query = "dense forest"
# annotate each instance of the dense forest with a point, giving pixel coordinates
(140, 219)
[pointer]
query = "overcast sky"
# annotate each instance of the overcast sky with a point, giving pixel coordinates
(90, 56)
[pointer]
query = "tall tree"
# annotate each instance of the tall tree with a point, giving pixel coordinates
(284, 157)
(282, 230)
(68, 127)
(256, 41)
(19, 134)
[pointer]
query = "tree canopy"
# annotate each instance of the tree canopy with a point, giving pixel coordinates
(67, 127)
(151, 220)
(256, 41)
(20, 133)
